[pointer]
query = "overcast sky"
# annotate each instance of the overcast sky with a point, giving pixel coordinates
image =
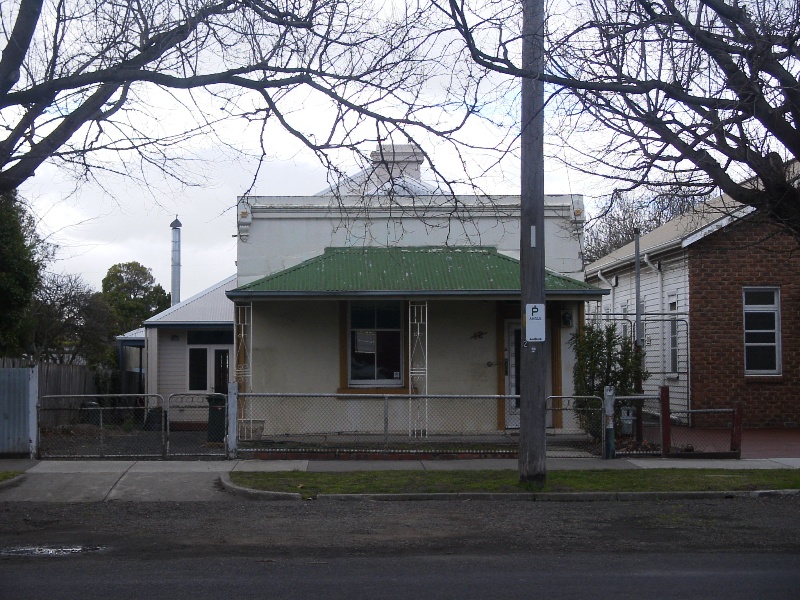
(121, 221)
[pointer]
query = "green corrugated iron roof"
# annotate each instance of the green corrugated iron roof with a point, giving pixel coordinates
(405, 271)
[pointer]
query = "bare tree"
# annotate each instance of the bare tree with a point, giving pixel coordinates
(68, 322)
(621, 215)
(699, 93)
(88, 84)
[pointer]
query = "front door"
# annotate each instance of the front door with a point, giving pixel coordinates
(209, 369)
(513, 346)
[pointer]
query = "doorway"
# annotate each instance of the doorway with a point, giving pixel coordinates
(513, 350)
(513, 346)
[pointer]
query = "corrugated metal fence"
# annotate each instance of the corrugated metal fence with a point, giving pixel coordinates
(18, 391)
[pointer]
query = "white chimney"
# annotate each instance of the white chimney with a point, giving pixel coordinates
(397, 160)
(176, 261)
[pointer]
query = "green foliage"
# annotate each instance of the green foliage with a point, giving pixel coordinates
(131, 291)
(22, 256)
(603, 358)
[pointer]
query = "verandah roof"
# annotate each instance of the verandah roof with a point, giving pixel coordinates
(406, 271)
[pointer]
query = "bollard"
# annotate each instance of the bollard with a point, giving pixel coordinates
(609, 395)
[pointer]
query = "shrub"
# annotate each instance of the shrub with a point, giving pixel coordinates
(603, 358)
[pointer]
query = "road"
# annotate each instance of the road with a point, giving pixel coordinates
(739, 548)
(651, 576)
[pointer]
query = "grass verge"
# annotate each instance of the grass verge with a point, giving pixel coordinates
(6, 475)
(399, 482)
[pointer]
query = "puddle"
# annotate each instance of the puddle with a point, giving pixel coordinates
(49, 550)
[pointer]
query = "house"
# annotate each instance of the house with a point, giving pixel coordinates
(719, 292)
(384, 285)
(188, 346)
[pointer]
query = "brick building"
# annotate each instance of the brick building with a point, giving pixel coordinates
(720, 295)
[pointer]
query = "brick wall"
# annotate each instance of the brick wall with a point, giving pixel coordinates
(750, 253)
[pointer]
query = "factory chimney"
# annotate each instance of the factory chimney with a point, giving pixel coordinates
(176, 261)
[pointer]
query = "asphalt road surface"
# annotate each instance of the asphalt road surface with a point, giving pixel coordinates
(651, 576)
(738, 548)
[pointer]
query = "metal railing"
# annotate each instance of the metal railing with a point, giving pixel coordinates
(131, 426)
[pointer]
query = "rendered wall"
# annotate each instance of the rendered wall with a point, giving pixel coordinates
(276, 233)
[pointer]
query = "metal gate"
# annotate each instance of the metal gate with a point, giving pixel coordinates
(132, 426)
(666, 352)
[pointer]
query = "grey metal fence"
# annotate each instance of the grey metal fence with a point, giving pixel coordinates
(132, 426)
(458, 423)
(197, 425)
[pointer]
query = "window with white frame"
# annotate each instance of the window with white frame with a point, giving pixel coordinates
(762, 331)
(673, 334)
(376, 344)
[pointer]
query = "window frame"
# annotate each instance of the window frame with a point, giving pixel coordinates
(674, 343)
(773, 309)
(210, 351)
(375, 383)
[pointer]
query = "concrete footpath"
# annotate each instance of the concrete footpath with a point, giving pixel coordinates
(181, 481)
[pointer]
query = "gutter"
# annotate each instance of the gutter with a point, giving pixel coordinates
(487, 294)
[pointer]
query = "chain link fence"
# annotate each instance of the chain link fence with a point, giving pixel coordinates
(457, 423)
(704, 432)
(132, 426)
(637, 425)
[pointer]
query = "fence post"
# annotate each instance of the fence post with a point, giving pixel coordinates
(736, 430)
(386, 421)
(232, 412)
(165, 404)
(666, 424)
(33, 411)
(609, 395)
(102, 436)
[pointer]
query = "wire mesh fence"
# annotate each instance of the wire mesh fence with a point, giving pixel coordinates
(131, 426)
(637, 425)
(710, 431)
(148, 426)
(406, 422)
(197, 425)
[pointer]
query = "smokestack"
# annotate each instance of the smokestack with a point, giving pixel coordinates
(176, 261)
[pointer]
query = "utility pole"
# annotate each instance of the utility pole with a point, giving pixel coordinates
(533, 362)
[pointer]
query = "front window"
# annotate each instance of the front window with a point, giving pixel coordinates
(762, 331)
(376, 344)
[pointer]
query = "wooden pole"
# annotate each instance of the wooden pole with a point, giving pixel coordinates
(533, 362)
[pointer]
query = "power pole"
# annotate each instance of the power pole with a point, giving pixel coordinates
(533, 362)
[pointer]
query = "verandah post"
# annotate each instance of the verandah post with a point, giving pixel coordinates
(232, 413)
